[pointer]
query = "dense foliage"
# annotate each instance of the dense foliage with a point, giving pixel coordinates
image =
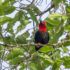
(22, 56)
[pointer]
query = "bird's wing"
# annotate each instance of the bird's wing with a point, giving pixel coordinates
(37, 37)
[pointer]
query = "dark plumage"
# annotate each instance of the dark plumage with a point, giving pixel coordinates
(41, 37)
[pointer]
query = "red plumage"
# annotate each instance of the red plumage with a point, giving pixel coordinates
(42, 26)
(41, 36)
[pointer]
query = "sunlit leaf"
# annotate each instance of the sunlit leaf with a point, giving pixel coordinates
(57, 15)
(67, 27)
(46, 57)
(0, 2)
(46, 49)
(4, 20)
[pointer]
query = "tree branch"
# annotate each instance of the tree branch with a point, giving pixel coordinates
(52, 6)
(21, 45)
(32, 5)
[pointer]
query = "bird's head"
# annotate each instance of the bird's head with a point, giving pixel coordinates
(42, 26)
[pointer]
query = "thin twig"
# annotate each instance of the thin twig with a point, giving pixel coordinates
(52, 6)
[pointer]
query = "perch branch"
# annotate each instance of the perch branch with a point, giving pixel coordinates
(21, 45)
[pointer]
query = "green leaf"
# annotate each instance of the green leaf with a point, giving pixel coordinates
(9, 10)
(66, 44)
(33, 17)
(67, 27)
(64, 49)
(52, 22)
(6, 3)
(6, 10)
(19, 15)
(22, 67)
(36, 10)
(24, 20)
(22, 25)
(66, 61)
(54, 15)
(10, 25)
(0, 2)
(15, 53)
(35, 66)
(56, 54)
(10, 40)
(56, 3)
(4, 20)
(45, 63)
(46, 49)
(46, 57)
(57, 34)
(57, 15)
(16, 60)
(56, 65)
(64, 1)
(1, 53)
(67, 8)
(12, 1)
(22, 39)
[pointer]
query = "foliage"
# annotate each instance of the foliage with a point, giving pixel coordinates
(58, 24)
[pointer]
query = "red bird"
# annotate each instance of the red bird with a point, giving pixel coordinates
(41, 36)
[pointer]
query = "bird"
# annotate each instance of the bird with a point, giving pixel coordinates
(42, 35)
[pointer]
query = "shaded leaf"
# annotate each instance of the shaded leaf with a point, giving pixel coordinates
(36, 10)
(56, 65)
(1, 53)
(15, 53)
(56, 3)
(6, 10)
(56, 54)
(64, 49)
(10, 40)
(35, 66)
(33, 17)
(66, 61)
(16, 60)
